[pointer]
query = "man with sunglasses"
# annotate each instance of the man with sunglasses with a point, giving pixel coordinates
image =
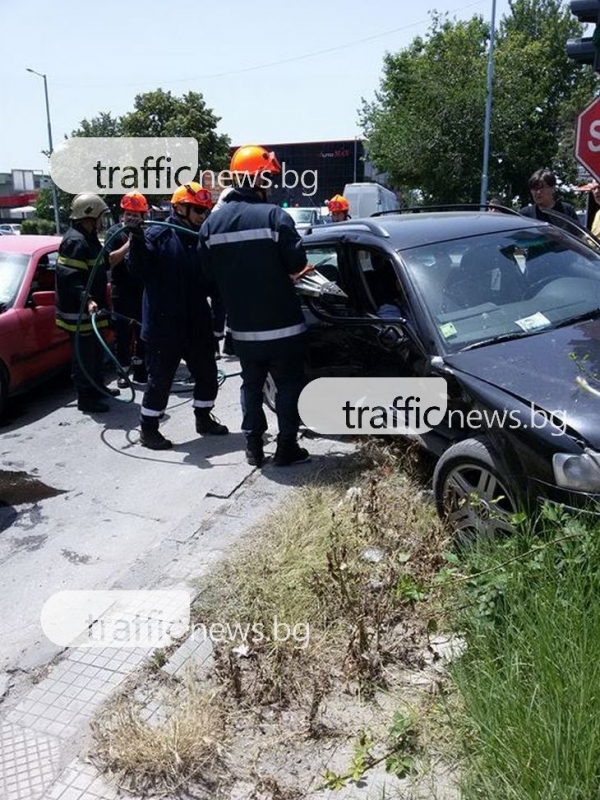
(176, 317)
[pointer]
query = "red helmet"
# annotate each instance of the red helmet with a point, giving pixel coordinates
(253, 159)
(338, 203)
(193, 194)
(134, 201)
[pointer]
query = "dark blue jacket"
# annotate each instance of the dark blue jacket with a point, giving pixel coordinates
(250, 248)
(77, 257)
(123, 285)
(175, 307)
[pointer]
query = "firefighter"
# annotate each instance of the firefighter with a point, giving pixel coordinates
(251, 249)
(77, 254)
(126, 290)
(176, 317)
(339, 208)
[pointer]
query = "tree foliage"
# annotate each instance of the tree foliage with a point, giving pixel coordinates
(44, 209)
(156, 113)
(425, 126)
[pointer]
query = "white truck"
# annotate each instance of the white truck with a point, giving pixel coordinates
(366, 199)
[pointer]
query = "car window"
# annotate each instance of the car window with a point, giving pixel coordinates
(12, 270)
(495, 285)
(380, 283)
(325, 260)
(44, 278)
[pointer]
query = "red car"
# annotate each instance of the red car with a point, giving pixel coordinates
(32, 348)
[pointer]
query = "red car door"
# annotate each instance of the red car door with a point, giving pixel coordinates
(43, 347)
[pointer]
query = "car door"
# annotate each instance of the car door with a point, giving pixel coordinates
(387, 346)
(329, 351)
(44, 347)
(345, 336)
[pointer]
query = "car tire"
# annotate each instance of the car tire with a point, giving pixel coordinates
(471, 491)
(270, 392)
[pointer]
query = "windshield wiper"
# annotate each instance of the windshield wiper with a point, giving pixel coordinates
(502, 337)
(578, 318)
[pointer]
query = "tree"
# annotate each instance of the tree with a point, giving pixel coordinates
(425, 126)
(538, 94)
(44, 208)
(421, 127)
(102, 125)
(159, 113)
(156, 113)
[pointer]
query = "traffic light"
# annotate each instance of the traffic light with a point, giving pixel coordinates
(587, 49)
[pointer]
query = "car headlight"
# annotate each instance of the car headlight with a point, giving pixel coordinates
(580, 472)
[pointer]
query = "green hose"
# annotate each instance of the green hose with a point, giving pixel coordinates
(221, 375)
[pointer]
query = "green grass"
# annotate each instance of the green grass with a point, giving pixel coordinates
(530, 677)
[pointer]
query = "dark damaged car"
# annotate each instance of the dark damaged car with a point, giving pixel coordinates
(505, 309)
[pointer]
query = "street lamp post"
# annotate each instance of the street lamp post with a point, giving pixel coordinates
(488, 111)
(54, 192)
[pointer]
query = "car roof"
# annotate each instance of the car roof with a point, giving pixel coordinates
(417, 229)
(27, 244)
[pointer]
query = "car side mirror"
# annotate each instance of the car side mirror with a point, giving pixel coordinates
(44, 299)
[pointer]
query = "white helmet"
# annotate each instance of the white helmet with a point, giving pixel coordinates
(88, 205)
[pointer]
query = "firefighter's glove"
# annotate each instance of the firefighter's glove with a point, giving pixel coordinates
(134, 227)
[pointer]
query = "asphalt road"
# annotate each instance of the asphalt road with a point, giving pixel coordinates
(119, 515)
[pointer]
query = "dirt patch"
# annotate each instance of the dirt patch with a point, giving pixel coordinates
(19, 487)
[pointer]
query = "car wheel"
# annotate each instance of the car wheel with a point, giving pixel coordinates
(471, 491)
(270, 392)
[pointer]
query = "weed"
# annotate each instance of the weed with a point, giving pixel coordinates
(530, 725)
(163, 756)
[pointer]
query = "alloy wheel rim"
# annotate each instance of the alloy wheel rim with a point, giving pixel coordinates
(477, 502)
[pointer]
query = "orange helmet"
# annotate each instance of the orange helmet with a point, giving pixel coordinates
(193, 194)
(252, 160)
(338, 203)
(134, 201)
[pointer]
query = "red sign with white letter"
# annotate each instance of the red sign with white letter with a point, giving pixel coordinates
(587, 143)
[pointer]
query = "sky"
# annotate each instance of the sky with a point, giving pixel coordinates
(283, 72)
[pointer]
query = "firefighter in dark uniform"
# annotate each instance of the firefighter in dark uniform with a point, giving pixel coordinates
(176, 318)
(77, 255)
(126, 290)
(251, 249)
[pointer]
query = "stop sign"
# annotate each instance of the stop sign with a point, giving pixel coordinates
(587, 144)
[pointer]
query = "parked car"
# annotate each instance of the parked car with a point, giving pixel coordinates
(32, 348)
(10, 228)
(507, 310)
(304, 217)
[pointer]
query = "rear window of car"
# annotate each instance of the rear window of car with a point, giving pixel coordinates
(12, 271)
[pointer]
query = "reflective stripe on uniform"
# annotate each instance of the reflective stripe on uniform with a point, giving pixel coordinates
(266, 336)
(242, 236)
(150, 412)
(203, 404)
(64, 321)
(72, 262)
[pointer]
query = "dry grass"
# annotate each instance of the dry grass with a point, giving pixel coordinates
(350, 562)
(158, 757)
